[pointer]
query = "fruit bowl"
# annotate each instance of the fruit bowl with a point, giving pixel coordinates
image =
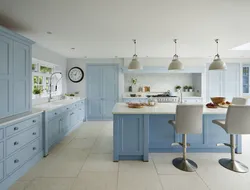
(218, 100)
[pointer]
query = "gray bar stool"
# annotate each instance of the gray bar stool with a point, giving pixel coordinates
(188, 121)
(237, 122)
(239, 101)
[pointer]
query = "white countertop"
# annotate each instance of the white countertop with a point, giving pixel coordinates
(160, 108)
(55, 104)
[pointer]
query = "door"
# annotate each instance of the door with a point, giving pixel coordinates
(22, 70)
(94, 90)
(102, 90)
(6, 77)
(110, 91)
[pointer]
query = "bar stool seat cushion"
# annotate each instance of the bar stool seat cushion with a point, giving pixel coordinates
(221, 123)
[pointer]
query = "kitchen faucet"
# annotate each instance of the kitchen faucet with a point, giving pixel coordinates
(50, 84)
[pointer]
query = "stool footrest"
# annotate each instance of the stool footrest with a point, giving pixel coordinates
(179, 144)
(223, 144)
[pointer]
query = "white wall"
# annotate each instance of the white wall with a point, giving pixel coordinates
(41, 53)
(81, 86)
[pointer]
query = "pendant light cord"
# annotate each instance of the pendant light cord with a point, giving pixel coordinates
(135, 45)
(217, 44)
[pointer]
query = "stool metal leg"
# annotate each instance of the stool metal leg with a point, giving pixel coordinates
(183, 163)
(232, 164)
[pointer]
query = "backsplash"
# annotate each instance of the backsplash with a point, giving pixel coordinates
(159, 82)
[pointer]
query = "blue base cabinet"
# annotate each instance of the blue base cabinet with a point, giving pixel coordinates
(135, 135)
(21, 147)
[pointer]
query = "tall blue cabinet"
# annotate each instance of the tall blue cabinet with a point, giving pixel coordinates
(15, 73)
(102, 91)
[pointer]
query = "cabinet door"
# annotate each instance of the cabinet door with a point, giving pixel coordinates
(94, 90)
(131, 126)
(110, 90)
(6, 77)
(73, 118)
(22, 79)
(54, 130)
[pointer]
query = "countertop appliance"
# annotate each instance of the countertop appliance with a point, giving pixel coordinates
(164, 98)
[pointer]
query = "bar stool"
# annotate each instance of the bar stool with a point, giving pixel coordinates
(237, 122)
(188, 121)
(239, 101)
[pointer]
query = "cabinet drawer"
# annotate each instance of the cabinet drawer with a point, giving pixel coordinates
(22, 125)
(20, 140)
(1, 171)
(1, 134)
(54, 113)
(67, 108)
(22, 156)
(1, 150)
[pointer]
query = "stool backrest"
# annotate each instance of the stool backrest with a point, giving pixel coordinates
(238, 119)
(239, 101)
(189, 118)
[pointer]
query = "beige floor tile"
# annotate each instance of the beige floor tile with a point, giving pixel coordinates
(180, 182)
(67, 139)
(96, 181)
(136, 166)
(82, 143)
(138, 181)
(51, 184)
(19, 185)
(103, 145)
(73, 155)
(56, 149)
(100, 162)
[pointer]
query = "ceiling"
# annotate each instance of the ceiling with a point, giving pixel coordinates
(105, 29)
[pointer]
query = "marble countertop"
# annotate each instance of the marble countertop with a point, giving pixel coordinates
(55, 104)
(160, 108)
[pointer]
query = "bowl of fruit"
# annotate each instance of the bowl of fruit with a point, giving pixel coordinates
(224, 104)
(211, 105)
(218, 100)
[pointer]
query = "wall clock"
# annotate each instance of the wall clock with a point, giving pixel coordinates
(76, 74)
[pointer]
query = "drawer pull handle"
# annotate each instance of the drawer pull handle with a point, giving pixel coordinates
(67, 108)
(34, 148)
(34, 121)
(55, 113)
(15, 128)
(16, 143)
(34, 133)
(16, 161)
(71, 113)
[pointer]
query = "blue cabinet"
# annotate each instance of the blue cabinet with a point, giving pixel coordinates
(15, 73)
(102, 90)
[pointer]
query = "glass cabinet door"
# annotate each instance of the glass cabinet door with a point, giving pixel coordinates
(245, 79)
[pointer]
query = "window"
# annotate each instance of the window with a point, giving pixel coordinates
(41, 73)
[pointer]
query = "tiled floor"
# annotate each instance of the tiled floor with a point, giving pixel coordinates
(83, 161)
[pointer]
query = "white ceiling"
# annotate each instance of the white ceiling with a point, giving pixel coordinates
(100, 29)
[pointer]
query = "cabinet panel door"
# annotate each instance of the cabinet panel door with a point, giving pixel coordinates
(6, 77)
(22, 92)
(94, 90)
(110, 90)
(53, 130)
(131, 126)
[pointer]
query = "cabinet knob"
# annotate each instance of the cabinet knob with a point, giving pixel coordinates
(55, 113)
(34, 148)
(34, 121)
(67, 108)
(34, 133)
(16, 161)
(15, 128)
(16, 143)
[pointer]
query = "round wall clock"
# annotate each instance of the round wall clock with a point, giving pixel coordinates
(76, 74)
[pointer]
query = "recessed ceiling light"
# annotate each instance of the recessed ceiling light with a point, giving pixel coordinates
(49, 32)
(242, 47)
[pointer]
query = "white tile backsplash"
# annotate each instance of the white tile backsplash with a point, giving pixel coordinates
(159, 82)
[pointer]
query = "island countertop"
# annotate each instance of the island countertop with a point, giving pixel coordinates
(160, 108)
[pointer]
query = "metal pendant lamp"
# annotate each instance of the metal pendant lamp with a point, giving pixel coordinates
(217, 63)
(175, 63)
(135, 64)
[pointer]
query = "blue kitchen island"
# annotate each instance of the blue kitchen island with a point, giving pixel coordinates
(137, 132)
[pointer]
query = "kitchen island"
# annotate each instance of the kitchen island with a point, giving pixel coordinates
(137, 132)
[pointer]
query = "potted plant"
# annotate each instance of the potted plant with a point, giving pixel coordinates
(177, 88)
(134, 81)
(37, 92)
(190, 89)
(185, 88)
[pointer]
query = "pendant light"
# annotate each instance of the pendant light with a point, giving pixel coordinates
(175, 63)
(135, 64)
(217, 63)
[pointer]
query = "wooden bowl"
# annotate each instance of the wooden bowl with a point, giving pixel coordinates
(218, 100)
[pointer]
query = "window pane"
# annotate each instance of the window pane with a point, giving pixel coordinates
(34, 65)
(40, 80)
(44, 69)
(35, 79)
(47, 80)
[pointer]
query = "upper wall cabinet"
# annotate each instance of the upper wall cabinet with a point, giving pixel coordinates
(15, 73)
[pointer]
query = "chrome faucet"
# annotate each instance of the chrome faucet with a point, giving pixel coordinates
(180, 97)
(50, 84)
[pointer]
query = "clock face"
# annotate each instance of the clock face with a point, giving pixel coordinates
(76, 74)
